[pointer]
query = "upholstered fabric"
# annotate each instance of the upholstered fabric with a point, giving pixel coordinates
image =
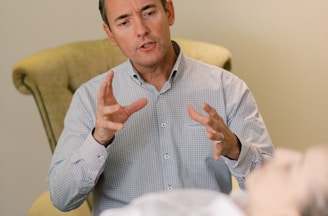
(43, 207)
(53, 75)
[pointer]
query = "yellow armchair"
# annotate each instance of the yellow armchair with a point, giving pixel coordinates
(53, 75)
(43, 207)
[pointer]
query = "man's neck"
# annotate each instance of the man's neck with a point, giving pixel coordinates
(160, 73)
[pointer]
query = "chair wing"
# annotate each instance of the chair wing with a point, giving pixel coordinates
(53, 75)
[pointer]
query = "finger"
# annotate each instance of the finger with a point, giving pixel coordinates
(196, 116)
(204, 120)
(109, 97)
(136, 106)
(209, 110)
(109, 125)
(215, 120)
(105, 90)
(218, 147)
(101, 94)
(107, 110)
(109, 77)
(115, 126)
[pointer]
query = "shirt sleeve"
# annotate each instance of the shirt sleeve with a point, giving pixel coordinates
(245, 120)
(251, 157)
(78, 160)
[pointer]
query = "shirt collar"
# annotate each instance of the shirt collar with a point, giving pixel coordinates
(179, 64)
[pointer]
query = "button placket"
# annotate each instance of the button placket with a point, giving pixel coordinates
(165, 142)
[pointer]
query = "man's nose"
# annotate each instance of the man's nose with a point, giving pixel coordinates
(141, 28)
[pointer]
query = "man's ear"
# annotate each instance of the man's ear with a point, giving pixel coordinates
(170, 12)
(109, 34)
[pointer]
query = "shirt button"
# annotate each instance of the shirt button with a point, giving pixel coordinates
(101, 157)
(169, 188)
(163, 125)
(166, 156)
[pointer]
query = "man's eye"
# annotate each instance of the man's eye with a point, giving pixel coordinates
(149, 13)
(123, 23)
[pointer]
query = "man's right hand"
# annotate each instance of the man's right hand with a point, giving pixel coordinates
(111, 116)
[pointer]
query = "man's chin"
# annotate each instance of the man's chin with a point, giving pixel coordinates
(146, 62)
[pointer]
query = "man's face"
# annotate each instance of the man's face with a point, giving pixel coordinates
(140, 28)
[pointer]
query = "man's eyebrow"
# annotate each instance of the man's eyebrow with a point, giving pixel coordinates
(146, 7)
(121, 17)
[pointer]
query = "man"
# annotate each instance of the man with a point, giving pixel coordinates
(154, 122)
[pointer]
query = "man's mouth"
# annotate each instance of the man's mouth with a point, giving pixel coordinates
(146, 45)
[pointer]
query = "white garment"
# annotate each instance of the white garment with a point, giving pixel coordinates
(186, 202)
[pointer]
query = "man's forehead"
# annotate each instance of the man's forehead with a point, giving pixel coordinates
(132, 3)
(117, 8)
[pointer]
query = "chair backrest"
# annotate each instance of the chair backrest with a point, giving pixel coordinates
(53, 75)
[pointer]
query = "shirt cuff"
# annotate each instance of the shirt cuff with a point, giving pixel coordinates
(246, 162)
(93, 154)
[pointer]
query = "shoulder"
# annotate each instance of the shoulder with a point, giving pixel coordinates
(93, 85)
(196, 68)
(192, 64)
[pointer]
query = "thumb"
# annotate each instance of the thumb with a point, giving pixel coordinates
(136, 106)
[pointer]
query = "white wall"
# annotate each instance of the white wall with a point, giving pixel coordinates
(27, 27)
(279, 48)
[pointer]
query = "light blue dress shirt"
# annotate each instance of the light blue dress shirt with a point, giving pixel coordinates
(161, 147)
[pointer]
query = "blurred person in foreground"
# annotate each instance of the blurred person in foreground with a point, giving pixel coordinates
(159, 121)
(293, 183)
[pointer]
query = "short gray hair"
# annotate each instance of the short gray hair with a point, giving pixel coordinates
(103, 13)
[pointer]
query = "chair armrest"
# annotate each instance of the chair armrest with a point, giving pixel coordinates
(43, 207)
